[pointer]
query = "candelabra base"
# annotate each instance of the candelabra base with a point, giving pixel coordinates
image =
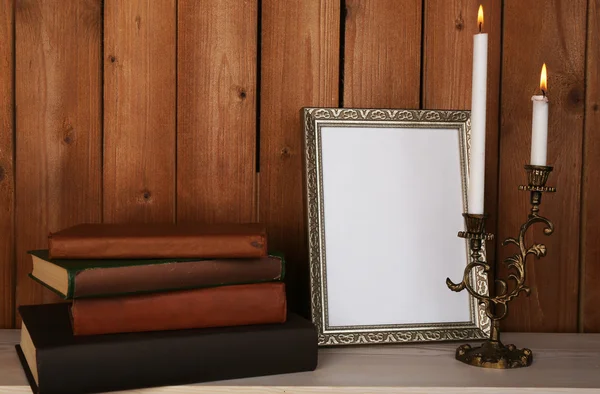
(493, 354)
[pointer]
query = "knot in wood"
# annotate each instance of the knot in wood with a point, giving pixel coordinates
(575, 98)
(242, 92)
(459, 23)
(285, 152)
(69, 134)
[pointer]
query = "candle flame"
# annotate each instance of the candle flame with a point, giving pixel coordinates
(544, 80)
(480, 18)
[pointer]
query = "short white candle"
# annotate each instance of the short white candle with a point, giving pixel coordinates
(478, 117)
(539, 124)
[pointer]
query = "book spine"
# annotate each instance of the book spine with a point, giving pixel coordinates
(201, 246)
(176, 360)
(174, 275)
(223, 306)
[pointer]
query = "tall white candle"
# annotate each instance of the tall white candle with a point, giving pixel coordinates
(478, 117)
(539, 124)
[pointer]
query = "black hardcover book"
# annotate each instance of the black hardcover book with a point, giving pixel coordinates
(55, 361)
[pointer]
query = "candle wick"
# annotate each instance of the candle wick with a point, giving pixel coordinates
(480, 26)
(544, 93)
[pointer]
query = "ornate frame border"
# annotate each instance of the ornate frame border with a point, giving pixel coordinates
(314, 118)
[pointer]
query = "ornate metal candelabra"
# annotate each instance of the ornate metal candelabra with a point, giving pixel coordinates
(493, 354)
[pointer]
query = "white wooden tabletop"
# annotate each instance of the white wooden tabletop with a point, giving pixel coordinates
(563, 363)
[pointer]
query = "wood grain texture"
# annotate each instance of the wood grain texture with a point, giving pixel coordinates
(382, 55)
(536, 32)
(139, 110)
(590, 212)
(307, 32)
(447, 75)
(563, 363)
(7, 179)
(216, 108)
(58, 146)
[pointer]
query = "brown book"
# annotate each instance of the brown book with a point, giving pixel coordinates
(75, 278)
(158, 240)
(224, 306)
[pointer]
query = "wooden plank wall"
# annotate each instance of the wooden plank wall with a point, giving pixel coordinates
(307, 32)
(382, 62)
(555, 36)
(180, 110)
(139, 111)
(7, 179)
(58, 94)
(216, 107)
(589, 313)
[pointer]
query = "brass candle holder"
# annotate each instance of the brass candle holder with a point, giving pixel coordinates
(492, 353)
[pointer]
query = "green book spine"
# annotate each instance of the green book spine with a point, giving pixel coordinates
(67, 296)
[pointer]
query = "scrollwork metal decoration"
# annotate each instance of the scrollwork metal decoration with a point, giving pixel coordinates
(493, 354)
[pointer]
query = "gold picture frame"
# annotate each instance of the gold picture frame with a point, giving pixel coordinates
(352, 128)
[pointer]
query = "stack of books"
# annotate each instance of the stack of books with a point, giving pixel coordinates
(162, 304)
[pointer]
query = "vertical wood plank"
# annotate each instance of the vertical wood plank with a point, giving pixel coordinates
(536, 32)
(58, 147)
(7, 180)
(139, 110)
(382, 62)
(590, 214)
(447, 75)
(299, 68)
(216, 108)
